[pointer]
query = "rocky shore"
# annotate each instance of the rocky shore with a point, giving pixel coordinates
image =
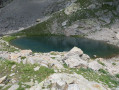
(73, 70)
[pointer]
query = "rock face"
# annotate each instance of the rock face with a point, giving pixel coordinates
(73, 58)
(18, 13)
(63, 81)
(4, 2)
(72, 8)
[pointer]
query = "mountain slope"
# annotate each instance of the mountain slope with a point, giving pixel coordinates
(23, 13)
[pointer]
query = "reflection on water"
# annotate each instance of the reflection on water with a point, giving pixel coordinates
(61, 43)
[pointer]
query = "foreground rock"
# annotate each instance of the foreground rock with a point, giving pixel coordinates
(75, 58)
(63, 81)
(3, 79)
(27, 57)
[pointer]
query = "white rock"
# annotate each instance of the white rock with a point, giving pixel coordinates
(72, 58)
(36, 68)
(14, 87)
(95, 65)
(117, 88)
(85, 57)
(64, 23)
(44, 65)
(31, 60)
(75, 61)
(76, 50)
(73, 87)
(117, 35)
(12, 74)
(72, 8)
(24, 61)
(13, 66)
(60, 84)
(60, 81)
(3, 79)
(38, 20)
(25, 52)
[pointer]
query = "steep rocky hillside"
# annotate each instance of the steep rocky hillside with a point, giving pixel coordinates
(4, 3)
(23, 13)
(71, 70)
(93, 19)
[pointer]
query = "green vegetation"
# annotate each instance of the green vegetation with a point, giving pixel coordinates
(23, 73)
(105, 78)
(101, 63)
(53, 53)
(84, 3)
(53, 57)
(103, 71)
(55, 21)
(117, 75)
(114, 64)
(65, 65)
(23, 58)
(5, 46)
(9, 38)
(98, 76)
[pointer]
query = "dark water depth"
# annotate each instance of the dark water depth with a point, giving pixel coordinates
(61, 43)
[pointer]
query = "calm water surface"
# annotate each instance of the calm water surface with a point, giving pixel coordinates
(61, 43)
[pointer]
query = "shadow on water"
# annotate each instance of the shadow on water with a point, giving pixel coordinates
(62, 43)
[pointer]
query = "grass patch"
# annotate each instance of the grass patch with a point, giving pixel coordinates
(117, 75)
(23, 73)
(23, 58)
(53, 53)
(113, 64)
(65, 65)
(91, 75)
(103, 71)
(101, 63)
(9, 38)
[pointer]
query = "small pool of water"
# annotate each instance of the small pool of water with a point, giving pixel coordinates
(62, 43)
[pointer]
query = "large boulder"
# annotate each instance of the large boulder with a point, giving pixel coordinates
(75, 50)
(72, 52)
(75, 61)
(73, 58)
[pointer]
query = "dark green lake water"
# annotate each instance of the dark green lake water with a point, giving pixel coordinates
(61, 43)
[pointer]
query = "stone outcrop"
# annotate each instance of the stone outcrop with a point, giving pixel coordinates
(63, 81)
(73, 58)
(72, 8)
